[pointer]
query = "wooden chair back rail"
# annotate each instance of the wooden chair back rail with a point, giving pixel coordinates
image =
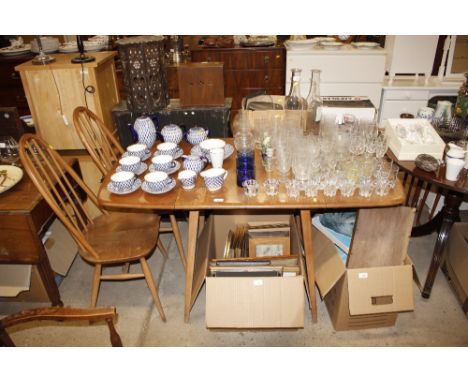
(60, 314)
(48, 171)
(103, 147)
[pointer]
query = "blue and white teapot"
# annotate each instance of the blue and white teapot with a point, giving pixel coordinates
(172, 133)
(146, 131)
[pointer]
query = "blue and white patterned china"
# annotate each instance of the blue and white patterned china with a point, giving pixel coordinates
(167, 148)
(138, 149)
(194, 163)
(196, 135)
(145, 130)
(157, 181)
(141, 170)
(122, 180)
(169, 186)
(228, 150)
(172, 170)
(130, 163)
(163, 163)
(214, 178)
(187, 178)
(172, 133)
(135, 186)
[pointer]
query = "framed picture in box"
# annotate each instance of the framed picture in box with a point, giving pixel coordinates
(269, 246)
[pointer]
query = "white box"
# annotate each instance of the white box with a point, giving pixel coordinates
(404, 150)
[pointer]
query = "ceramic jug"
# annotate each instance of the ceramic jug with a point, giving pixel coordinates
(145, 130)
(194, 163)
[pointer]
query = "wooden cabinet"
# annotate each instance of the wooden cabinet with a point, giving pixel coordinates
(247, 70)
(11, 89)
(55, 90)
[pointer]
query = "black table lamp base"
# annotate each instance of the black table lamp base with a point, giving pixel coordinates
(82, 59)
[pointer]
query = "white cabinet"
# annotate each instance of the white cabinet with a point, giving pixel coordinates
(345, 72)
(409, 94)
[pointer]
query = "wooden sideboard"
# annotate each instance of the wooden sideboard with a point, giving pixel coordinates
(247, 70)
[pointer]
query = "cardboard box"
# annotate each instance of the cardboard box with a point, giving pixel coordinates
(201, 84)
(456, 263)
(251, 302)
(23, 282)
(407, 151)
(364, 297)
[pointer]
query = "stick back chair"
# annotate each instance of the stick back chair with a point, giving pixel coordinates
(110, 239)
(105, 151)
(60, 314)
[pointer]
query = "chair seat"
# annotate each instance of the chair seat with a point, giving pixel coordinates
(121, 237)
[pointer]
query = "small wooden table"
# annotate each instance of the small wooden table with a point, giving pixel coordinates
(443, 221)
(231, 197)
(24, 214)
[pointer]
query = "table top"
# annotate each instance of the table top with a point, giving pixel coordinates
(21, 198)
(230, 196)
(438, 178)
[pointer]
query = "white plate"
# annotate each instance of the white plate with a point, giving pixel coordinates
(300, 44)
(147, 155)
(9, 51)
(228, 150)
(68, 48)
(136, 185)
(365, 45)
(168, 188)
(169, 172)
(13, 176)
(177, 155)
(331, 45)
(141, 170)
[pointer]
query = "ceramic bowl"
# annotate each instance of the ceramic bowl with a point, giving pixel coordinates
(212, 143)
(214, 178)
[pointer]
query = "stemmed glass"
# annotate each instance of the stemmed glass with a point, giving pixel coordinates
(9, 150)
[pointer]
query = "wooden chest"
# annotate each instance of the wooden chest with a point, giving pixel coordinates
(201, 84)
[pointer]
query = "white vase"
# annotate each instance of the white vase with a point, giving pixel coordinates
(145, 130)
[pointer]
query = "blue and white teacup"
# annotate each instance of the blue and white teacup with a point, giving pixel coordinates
(130, 163)
(163, 162)
(214, 178)
(123, 180)
(138, 150)
(172, 133)
(196, 135)
(157, 181)
(188, 179)
(167, 148)
(194, 163)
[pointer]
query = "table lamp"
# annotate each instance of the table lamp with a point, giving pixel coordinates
(42, 58)
(82, 58)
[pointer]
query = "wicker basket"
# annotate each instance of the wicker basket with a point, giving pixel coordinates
(144, 73)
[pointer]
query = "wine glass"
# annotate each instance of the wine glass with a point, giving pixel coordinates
(9, 150)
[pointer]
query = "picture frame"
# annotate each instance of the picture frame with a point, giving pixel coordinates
(269, 246)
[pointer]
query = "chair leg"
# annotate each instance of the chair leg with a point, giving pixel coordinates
(152, 287)
(162, 248)
(178, 239)
(96, 283)
(126, 268)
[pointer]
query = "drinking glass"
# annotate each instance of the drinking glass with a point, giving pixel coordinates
(293, 189)
(283, 163)
(271, 187)
(9, 151)
(366, 184)
(347, 187)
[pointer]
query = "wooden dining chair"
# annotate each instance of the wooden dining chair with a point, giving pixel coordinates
(60, 314)
(105, 150)
(112, 238)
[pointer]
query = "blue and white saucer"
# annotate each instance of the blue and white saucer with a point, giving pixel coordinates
(177, 155)
(168, 188)
(141, 170)
(196, 150)
(136, 185)
(169, 172)
(147, 155)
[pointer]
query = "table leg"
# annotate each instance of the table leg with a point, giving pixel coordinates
(306, 223)
(191, 252)
(48, 278)
(449, 214)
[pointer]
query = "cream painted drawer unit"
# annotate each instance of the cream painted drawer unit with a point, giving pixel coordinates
(345, 72)
(409, 94)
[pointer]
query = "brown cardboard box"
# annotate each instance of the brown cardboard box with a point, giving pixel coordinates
(251, 302)
(201, 84)
(365, 297)
(457, 262)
